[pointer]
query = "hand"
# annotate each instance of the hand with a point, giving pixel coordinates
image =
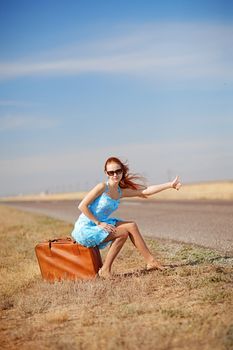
(107, 227)
(176, 183)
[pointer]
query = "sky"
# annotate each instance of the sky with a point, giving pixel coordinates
(150, 82)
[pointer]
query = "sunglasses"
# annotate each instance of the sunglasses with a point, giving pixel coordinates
(112, 172)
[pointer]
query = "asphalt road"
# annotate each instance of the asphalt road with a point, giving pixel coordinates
(206, 223)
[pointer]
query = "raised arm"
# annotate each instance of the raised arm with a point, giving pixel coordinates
(153, 189)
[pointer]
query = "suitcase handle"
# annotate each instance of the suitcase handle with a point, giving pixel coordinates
(59, 239)
(74, 247)
(48, 247)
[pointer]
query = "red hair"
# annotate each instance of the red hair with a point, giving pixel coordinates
(128, 179)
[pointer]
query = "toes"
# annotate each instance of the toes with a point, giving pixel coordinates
(155, 266)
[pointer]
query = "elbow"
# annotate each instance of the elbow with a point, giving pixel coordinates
(80, 207)
(144, 194)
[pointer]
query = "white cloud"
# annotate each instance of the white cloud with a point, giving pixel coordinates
(16, 122)
(163, 51)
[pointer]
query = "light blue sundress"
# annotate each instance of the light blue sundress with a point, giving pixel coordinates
(86, 232)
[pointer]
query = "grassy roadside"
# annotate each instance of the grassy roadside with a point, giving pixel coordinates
(189, 306)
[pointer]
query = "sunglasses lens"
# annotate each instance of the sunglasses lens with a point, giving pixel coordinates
(111, 172)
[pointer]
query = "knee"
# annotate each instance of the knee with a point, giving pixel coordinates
(132, 225)
(124, 235)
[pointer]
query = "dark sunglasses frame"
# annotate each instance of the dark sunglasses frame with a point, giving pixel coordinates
(112, 172)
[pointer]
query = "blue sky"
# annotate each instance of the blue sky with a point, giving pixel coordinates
(150, 82)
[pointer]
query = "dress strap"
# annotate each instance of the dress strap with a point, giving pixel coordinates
(120, 192)
(106, 189)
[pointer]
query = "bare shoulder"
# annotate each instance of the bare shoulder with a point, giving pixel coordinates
(98, 189)
(100, 186)
(93, 193)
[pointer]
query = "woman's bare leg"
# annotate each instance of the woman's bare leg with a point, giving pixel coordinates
(123, 230)
(119, 239)
(140, 244)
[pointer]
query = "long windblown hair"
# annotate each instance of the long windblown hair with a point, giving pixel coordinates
(128, 180)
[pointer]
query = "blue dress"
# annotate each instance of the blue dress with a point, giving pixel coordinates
(86, 232)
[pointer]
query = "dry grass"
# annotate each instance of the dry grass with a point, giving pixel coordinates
(221, 190)
(188, 306)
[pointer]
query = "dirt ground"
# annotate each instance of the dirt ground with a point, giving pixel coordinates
(187, 306)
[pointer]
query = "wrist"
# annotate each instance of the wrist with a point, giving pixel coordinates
(97, 222)
(173, 185)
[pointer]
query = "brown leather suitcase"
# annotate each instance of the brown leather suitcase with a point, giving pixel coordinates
(64, 259)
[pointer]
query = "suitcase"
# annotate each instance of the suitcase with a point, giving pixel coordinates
(64, 259)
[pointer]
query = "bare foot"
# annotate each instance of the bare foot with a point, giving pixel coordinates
(155, 265)
(104, 274)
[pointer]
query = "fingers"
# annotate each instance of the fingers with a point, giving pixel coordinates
(178, 186)
(177, 179)
(110, 228)
(176, 183)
